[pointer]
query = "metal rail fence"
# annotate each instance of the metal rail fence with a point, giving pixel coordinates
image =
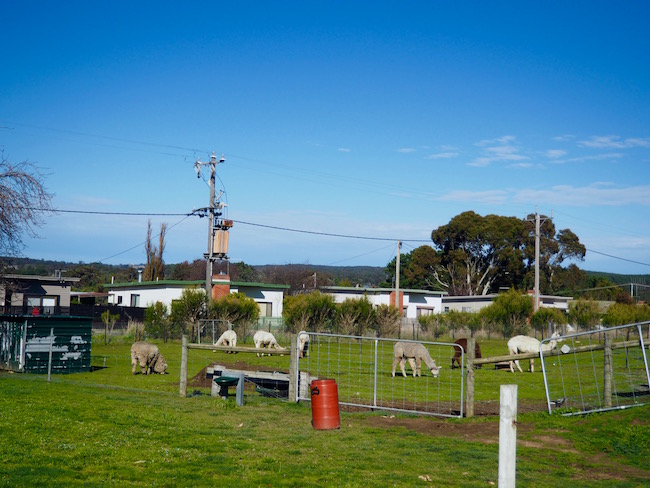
(362, 368)
(597, 370)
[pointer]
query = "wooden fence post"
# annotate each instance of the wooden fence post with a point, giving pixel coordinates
(469, 399)
(184, 353)
(49, 361)
(293, 369)
(608, 371)
(507, 436)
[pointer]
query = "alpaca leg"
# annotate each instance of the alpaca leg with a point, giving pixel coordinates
(519, 366)
(413, 366)
(418, 363)
(143, 365)
(395, 361)
(532, 365)
(402, 362)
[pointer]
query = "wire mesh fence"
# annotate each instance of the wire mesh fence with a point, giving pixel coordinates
(363, 370)
(597, 370)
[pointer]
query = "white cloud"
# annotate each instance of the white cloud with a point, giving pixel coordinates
(595, 157)
(555, 153)
(443, 155)
(498, 140)
(406, 150)
(487, 197)
(598, 194)
(564, 138)
(615, 142)
(343, 149)
(498, 150)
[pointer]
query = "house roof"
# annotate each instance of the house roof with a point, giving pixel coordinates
(187, 283)
(62, 279)
(367, 289)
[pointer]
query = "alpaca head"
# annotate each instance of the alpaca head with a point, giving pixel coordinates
(553, 343)
(435, 370)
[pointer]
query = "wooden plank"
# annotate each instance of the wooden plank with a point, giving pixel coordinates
(211, 347)
(556, 352)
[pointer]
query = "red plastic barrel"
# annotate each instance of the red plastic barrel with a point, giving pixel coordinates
(325, 405)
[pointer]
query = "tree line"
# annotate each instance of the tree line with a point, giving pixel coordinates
(511, 313)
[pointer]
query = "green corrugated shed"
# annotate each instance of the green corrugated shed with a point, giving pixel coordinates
(25, 343)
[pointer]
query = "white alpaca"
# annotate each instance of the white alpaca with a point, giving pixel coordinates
(303, 345)
(524, 344)
(415, 353)
(227, 339)
(265, 339)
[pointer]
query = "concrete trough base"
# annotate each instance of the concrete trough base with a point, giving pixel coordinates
(268, 380)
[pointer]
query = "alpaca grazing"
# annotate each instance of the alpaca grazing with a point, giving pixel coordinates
(265, 339)
(227, 339)
(148, 357)
(415, 353)
(524, 344)
(303, 345)
(457, 352)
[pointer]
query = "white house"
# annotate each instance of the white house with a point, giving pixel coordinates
(414, 302)
(143, 294)
(475, 303)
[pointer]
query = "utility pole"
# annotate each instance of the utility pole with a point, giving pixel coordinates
(397, 301)
(538, 222)
(212, 208)
(536, 307)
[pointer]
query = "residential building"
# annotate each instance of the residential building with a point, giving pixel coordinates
(33, 295)
(143, 294)
(414, 302)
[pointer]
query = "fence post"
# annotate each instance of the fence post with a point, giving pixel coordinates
(49, 361)
(293, 369)
(507, 436)
(469, 401)
(184, 353)
(608, 371)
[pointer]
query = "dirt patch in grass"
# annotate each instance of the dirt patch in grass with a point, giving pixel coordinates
(487, 432)
(593, 467)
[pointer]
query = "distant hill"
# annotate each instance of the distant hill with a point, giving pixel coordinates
(98, 273)
(619, 279)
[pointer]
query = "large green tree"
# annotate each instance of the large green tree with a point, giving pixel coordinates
(555, 248)
(478, 253)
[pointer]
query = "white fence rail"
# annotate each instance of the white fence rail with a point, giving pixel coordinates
(362, 368)
(597, 370)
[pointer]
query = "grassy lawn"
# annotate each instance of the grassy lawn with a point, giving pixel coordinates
(109, 427)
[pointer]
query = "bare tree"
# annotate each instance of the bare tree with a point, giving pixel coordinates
(24, 203)
(155, 266)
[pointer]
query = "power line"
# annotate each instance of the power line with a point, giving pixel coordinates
(96, 212)
(285, 229)
(616, 257)
(108, 138)
(142, 243)
(347, 236)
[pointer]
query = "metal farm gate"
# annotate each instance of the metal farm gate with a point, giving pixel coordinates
(362, 368)
(597, 370)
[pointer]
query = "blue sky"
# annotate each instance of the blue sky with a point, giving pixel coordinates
(363, 119)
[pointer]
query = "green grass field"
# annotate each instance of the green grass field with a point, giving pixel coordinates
(109, 427)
